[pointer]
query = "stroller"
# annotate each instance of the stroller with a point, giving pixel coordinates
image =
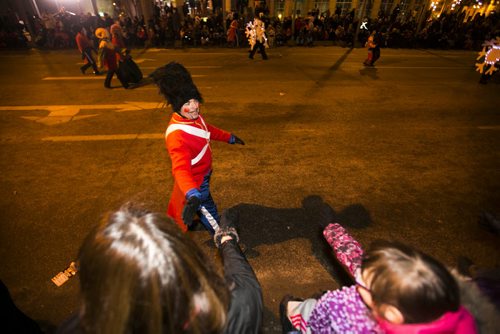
(129, 70)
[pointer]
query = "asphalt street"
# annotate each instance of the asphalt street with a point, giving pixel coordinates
(408, 150)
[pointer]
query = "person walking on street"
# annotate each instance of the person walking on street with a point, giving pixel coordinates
(86, 48)
(108, 56)
(117, 36)
(373, 45)
(256, 34)
(232, 32)
(188, 143)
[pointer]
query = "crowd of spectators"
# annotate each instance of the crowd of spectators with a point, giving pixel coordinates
(449, 31)
(180, 27)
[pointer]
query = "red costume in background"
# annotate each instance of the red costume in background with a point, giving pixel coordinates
(108, 55)
(85, 47)
(82, 42)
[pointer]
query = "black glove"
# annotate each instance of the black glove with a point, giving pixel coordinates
(235, 140)
(190, 209)
(225, 231)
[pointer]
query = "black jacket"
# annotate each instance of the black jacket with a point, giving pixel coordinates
(246, 306)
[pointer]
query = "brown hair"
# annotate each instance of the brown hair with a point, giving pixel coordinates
(420, 287)
(140, 274)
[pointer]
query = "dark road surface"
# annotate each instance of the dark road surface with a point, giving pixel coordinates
(408, 150)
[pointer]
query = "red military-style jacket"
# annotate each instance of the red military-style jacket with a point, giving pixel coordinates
(190, 153)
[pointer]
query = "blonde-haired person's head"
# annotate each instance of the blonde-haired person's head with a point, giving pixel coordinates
(140, 274)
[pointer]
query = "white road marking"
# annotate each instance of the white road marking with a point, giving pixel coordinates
(188, 67)
(384, 55)
(64, 113)
(142, 60)
(153, 87)
(493, 127)
(417, 67)
(183, 54)
(101, 77)
(95, 77)
(204, 66)
(133, 136)
(130, 136)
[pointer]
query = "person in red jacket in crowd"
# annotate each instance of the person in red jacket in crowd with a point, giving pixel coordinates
(117, 35)
(188, 143)
(108, 55)
(85, 47)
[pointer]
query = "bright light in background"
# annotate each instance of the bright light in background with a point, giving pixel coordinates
(73, 6)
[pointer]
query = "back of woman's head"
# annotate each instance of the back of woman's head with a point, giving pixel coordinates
(420, 287)
(140, 274)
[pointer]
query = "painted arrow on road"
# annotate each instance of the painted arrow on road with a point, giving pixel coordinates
(59, 114)
(142, 60)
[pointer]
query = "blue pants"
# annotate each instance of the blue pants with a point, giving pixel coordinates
(208, 202)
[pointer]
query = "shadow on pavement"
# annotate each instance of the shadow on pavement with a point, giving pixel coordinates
(370, 72)
(260, 225)
(325, 78)
(16, 321)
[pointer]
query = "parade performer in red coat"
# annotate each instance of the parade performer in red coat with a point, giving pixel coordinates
(85, 47)
(108, 56)
(188, 143)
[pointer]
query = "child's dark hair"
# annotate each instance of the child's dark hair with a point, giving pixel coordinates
(419, 286)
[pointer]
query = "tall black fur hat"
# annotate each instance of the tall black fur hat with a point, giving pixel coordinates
(175, 84)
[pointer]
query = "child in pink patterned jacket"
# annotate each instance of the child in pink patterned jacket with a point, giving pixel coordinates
(398, 290)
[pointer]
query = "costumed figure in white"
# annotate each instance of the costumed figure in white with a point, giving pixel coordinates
(489, 60)
(256, 34)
